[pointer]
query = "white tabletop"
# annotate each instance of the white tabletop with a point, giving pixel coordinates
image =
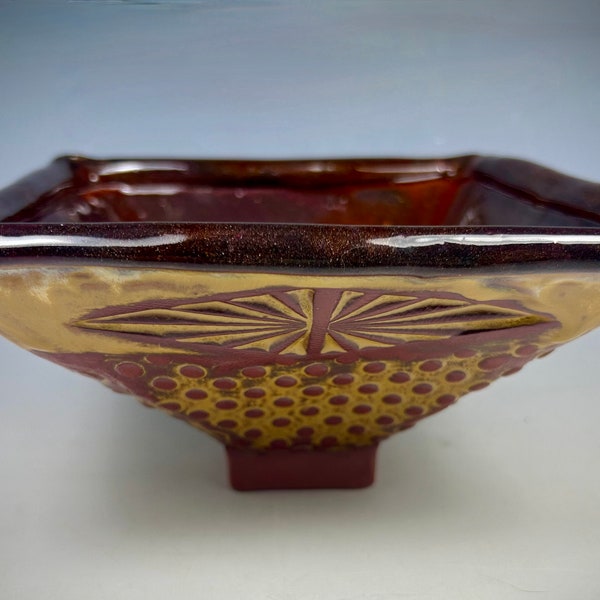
(495, 498)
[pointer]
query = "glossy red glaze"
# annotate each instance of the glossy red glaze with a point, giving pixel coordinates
(295, 214)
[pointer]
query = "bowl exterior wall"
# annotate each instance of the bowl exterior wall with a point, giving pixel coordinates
(263, 360)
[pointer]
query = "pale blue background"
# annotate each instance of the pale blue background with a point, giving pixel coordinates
(494, 499)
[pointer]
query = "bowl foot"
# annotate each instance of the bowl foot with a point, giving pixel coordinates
(301, 469)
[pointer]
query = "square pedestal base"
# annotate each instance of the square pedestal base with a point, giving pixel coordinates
(301, 469)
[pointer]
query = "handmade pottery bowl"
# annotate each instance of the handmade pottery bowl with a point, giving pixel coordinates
(298, 311)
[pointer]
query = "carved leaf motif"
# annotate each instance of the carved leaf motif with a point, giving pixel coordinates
(282, 322)
(271, 322)
(389, 319)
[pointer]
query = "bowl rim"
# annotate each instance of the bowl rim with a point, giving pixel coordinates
(311, 246)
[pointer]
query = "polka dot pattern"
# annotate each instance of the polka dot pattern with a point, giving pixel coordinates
(313, 404)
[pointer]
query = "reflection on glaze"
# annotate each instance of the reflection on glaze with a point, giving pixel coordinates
(490, 239)
(28, 241)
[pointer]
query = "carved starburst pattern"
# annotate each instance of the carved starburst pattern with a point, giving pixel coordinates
(306, 321)
(366, 320)
(276, 322)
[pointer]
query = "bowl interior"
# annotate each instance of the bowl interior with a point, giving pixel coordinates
(400, 192)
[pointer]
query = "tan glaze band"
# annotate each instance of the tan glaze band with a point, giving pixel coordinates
(42, 305)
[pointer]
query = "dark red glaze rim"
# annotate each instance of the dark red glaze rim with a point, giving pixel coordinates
(571, 206)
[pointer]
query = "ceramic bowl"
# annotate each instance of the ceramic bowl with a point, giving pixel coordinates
(298, 311)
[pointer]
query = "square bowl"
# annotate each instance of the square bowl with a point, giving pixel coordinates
(298, 311)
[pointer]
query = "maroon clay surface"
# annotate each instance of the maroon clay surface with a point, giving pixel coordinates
(302, 469)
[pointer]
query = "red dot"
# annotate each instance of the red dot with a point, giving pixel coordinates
(431, 365)
(192, 371)
(252, 434)
(281, 422)
(164, 383)
(309, 411)
(400, 377)
(283, 402)
(527, 350)
(129, 369)
(356, 429)
(305, 432)
(196, 394)
(329, 441)
(455, 376)
(414, 411)
(384, 420)
(313, 390)
(316, 370)
(254, 372)
(362, 409)
(254, 393)
(286, 381)
(170, 406)
(227, 423)
(422, 388)
(392, 399)
(368, 388)
(254, 413)
(226, 404)
(198, 415)
(278, 444)
(494, 362)
(479, 386)
(446, 399)
(343, 379)
(374, 367)
(333, 420)
(338, 400)
(224, 384)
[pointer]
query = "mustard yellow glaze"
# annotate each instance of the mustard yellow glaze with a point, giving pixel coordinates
(41, 306)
